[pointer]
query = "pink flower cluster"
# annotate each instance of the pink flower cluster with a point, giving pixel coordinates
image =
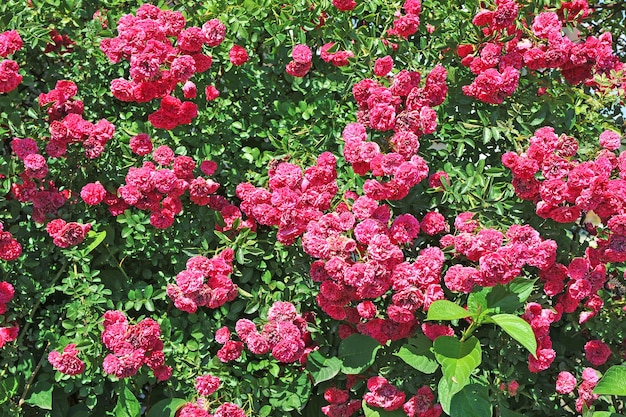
(499, 260)
(67, 234)
(46, 197)
(360, 259)
(60, 102)
(284, 335)
(10, 248)
(61, 43)
(562, 188)
(301, 62)
(67, 125)
(340, 404)
(156, 65)
(597, 352)
(497, 65)
(200, 407)
(7, 333)
(238, 55)
(407, 109)
(10, 78)
(157, 189)
(344, 5)
(67, 362)
(384, 395)
(407, 24)
(133, 346)
(173, 112)
(540, 319)
(566, 383)
(339, 58)
(204, 283)
(294, 198)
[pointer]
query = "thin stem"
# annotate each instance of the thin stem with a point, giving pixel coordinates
(32, 376)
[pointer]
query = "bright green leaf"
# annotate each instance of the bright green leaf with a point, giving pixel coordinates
(41, 395)
(166, 407)
(127, 405)
(322, 368)
(518, 329)
(458, 360)
(446, 310)
(613, 382)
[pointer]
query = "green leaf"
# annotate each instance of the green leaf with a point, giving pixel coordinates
(98, 238)
(322, 368)
(166, 407)
(518, 329)
(41, 395)
(471, 401)
(418, 355)
(446, 310)
(127, 405)
(357, 353)
(379, 412)
(505, 412)
(511, 297)
(458, 360)
(600, 414)
(613, 382)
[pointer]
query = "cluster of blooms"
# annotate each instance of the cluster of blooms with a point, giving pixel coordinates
(340, 404)
(302, 60)
(157, 66)
(10, 248)
(499, 262)
(67, 125)
(133, 346)
(60, 43)
(284, 335)
(407, 24)
(294, 198)
(540, 319)
(200, 407)
(497, 64)
(344, 5)
(407, 109)
(10, 78)
(360, 259)
(238, 55)
(205, 386)
(46, 197)
(7, 333)
(510, 388)
(67, 362)
(204, 283)
(384, 395)
(338, 58)
(566, 383)
(157, 189)
(60, 102)
(563, 188)
(67, 234)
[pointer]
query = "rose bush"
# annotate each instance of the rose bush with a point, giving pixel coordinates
(382, 208)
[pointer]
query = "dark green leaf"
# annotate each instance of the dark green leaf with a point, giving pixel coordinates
(322, 368)
(127, 405)
(41, 395)
(357, 353)
(472, 401)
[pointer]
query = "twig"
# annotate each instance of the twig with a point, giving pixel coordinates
(32, 377)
